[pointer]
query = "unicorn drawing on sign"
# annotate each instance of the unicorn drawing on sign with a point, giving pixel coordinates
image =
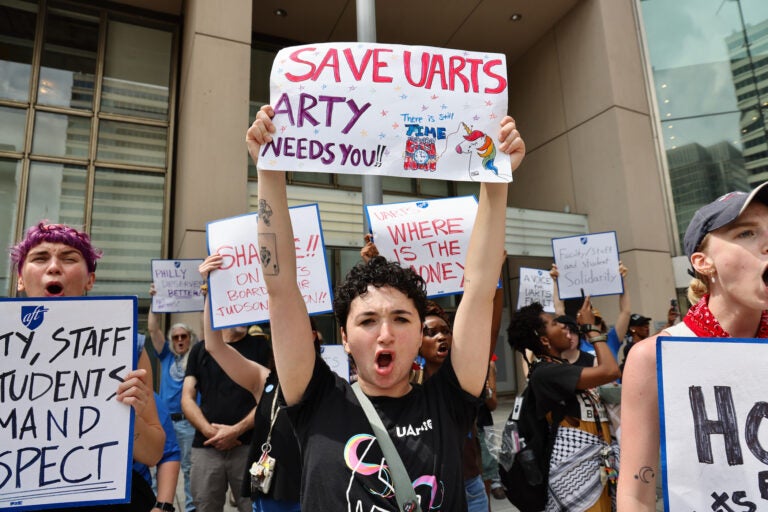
(480, 143)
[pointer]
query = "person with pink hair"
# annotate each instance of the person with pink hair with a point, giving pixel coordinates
(56, 260)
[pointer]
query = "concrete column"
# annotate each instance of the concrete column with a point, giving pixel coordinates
(582, 105)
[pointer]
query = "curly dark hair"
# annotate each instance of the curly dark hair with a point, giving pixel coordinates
(378, 272)
(525, 329)
(434, 309)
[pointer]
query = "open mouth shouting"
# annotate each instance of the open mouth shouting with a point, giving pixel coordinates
(443, 348)
(384, 362)
(54, 289)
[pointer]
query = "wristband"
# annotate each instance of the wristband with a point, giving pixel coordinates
(165, 506)
(585, 328)
(598, 339)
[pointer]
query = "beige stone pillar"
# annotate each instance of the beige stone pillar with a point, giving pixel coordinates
(582, 104)
(211, 165)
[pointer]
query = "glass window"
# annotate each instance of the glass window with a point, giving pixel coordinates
(710, 74)
(320, 178)
(61, 135)
(55, 192)
(10, 176)
(137, 70)
(69, 59)
(12, 126)
(127, 225)
(17, 26)
(131, 143)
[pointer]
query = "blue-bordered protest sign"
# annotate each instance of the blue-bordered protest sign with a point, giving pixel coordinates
(588, 265)
(64, 438)
(177, 286)
(337, 359)
(712, 407)
(237, 291)
(536, 285)
(430, 236)
(388, 109)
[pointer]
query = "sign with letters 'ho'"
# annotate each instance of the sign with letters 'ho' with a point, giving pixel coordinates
(371, 108)
(64, 438)
(431, 237)
(237, 290)
(177, 286)
(588, 265)
(713, 411)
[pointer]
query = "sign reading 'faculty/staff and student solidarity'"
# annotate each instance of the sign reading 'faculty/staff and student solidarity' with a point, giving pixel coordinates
(237, 290)
(713, 412)
(588, 265)
(64, 438)
(431, 237)
(177, 286)
(536, 285)
(370, 108)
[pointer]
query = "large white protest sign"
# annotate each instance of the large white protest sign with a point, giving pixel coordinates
(371, 108)
(588, 265)
(338, 360)
(177, 286)
(536, 285)
(712, 408)
(237, 290)
(64, 438)
(431, 237)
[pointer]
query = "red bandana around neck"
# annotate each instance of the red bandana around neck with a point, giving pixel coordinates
(704, 324)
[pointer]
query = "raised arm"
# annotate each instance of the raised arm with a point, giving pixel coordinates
(556, 302)
(293, 341)
(622, 321)
(606, 368)
(153, 325)
(472, 326)
(246, 373)
(639, 430)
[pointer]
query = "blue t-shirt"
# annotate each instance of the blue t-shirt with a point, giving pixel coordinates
(171, 379)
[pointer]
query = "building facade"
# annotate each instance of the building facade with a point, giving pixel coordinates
(128, 118)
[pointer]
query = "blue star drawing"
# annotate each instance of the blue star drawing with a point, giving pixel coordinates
(403, 96)
(381, 135)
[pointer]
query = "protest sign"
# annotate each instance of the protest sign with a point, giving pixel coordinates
(336, 357)
(536, 286)
(712, 406)
(177, 286)
(237, 291)
(431, 237)
(588, 265)
(396, 110)
(64, 439)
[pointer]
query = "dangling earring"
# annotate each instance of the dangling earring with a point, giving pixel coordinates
(712, 277)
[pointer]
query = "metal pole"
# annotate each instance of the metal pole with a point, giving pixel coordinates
(366, 33)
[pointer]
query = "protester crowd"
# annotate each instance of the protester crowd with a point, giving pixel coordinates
(262, 415)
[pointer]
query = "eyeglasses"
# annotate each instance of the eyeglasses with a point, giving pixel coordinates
(434, 331)
(180, 336)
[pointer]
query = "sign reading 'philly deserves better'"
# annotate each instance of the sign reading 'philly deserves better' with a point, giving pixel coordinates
(64, 438)
(367, 108)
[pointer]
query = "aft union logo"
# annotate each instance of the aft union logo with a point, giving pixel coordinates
(32, 316)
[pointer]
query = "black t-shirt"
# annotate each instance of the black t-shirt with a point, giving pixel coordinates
(585, 360)
(285, 448)
(554, 387)
(221, 399)
(344, 468)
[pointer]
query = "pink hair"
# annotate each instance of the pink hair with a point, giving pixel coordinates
(55, 233)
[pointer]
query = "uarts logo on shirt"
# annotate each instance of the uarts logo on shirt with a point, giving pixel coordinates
(32, 316)
(410, 430)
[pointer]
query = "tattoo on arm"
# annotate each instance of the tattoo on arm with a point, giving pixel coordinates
(265, 211)
(645, 475)
(268, 254)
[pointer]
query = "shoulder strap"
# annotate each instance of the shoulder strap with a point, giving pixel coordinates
(406, 497)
